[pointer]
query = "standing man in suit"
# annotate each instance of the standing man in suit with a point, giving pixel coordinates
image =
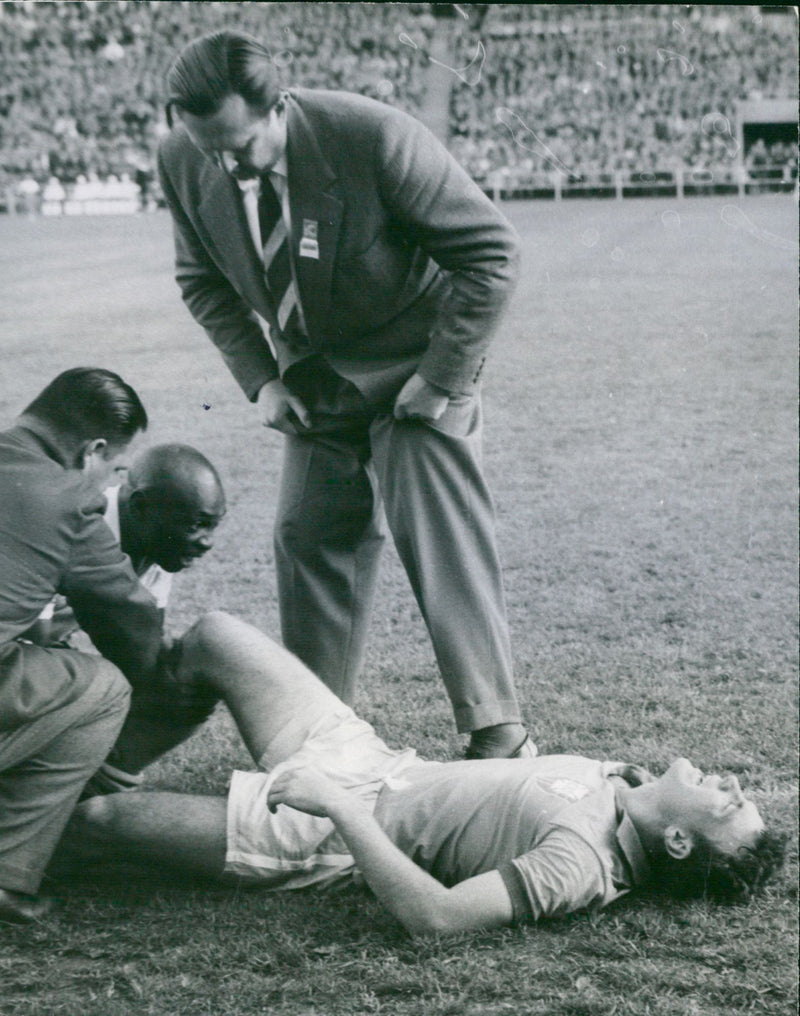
(379, 272)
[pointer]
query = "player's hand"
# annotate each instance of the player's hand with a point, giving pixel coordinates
(304, 788)
(420, 400)
(280, 408)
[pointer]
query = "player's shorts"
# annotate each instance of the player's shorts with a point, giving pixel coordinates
(290, 849)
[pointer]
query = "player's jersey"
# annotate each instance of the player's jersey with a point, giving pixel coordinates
(551, 825)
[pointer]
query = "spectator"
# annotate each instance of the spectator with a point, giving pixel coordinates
(609, 71)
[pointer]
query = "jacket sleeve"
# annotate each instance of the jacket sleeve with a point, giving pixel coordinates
(213, 301)
(117, 613)
(445, 213)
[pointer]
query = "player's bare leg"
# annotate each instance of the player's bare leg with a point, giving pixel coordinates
(273, 697)
(183, 831)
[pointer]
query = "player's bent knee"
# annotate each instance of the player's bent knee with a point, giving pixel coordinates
(221, 636)
(205, 638)
(94, 816)
(214, 645)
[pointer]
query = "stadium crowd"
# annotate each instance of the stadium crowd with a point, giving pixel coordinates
(597, 88)
(584, 89)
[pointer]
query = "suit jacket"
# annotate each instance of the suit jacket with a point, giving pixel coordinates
(58, 623)
(415, 265)
(53, 540)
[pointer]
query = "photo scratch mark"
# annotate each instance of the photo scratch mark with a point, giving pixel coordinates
(520, 130)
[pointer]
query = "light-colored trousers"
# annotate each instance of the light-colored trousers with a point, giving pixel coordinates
(426, 478)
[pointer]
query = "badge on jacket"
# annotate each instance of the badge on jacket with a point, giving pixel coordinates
(309, 247)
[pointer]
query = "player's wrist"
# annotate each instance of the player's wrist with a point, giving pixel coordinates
(342, 807)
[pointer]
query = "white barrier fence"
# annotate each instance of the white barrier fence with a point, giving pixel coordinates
(679, 182)
(112, 196)
(122, 196)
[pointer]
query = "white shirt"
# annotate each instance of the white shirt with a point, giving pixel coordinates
(154, 579)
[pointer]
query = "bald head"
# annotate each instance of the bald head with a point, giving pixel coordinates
(170, 505)
(176, 468)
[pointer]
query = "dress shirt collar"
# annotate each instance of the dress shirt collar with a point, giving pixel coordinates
(252, 185)
(278, 175)
(280, 168)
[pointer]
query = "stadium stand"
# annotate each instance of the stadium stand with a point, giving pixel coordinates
(531, 98)
(594, 89)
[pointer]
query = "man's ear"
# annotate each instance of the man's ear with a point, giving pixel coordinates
(94, 447)
(677, 843)
(138, 503)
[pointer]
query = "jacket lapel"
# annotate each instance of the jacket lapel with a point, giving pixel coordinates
(222, 212)
(315, 207)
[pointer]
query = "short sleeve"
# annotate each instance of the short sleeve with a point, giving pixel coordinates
(562, 874)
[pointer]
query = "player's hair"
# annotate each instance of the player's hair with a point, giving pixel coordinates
(711, 874)
(88, 403)
(217, 65)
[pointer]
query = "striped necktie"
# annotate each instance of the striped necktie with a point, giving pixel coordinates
(277, 266)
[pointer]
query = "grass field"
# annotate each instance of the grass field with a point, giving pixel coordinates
(641, 442)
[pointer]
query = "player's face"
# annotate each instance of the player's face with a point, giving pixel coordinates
(182, 527)
(711, 806)
(243, 139)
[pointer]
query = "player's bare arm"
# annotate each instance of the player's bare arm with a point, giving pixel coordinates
(422, 904)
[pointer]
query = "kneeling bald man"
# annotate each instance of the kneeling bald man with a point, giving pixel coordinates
(164, 515)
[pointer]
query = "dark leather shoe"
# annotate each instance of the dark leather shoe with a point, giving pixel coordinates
(20, 908)
(495, 742)
(526, 750)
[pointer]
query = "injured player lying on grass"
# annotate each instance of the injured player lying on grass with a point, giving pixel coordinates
(445, 846)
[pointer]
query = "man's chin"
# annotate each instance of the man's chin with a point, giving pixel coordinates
(246, 172)
(172, 565)
(185, 562)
